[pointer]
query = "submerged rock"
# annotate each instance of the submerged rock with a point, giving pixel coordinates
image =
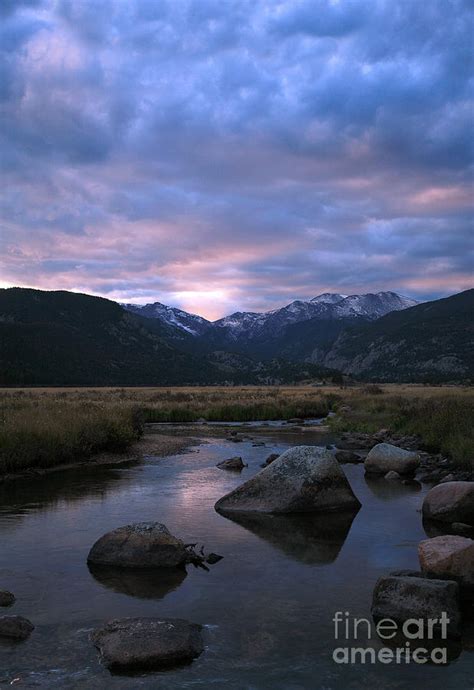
(232, 464)
(6, 598)
(147, 643)
(450, 502)
(347, 456)
(401, 598)
(15, 627)
(448, 556)
(302, 479)
(139, 545)
(392, 476)
(384, 458)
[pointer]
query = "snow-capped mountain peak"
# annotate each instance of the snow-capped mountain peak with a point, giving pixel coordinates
(328, 298)
(191, 323)
(257, 325)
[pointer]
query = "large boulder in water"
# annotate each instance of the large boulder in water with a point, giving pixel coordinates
(303, 479)
(450, 502)
(147, 643)
(385, 458)
(401, 598)
(448, 557)
(140, 545)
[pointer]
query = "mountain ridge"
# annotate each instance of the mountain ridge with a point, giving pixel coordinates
(257, 324)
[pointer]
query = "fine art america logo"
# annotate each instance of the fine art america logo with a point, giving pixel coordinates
(417, 637)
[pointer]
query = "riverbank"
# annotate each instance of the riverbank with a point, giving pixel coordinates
(45, 428)
(151, 444)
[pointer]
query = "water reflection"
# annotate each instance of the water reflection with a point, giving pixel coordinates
(313, 538)
(153, 583)
(388, 489)
(19, 497)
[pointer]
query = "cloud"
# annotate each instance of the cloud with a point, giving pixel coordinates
(236, 155)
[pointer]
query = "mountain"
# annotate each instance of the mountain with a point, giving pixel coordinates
(190, 323)
(430, 342)
(260, 334)
(65, 338)
(68, 338)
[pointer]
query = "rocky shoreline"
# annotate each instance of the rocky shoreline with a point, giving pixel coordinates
(433, 467)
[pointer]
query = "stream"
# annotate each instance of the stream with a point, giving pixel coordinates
(267, 607)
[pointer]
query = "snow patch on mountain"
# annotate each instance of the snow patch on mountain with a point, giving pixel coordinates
(190, 323)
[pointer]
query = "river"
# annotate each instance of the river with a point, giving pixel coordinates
(267, 607)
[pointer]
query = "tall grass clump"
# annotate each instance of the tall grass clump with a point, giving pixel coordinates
(52, 433)
(446, 425)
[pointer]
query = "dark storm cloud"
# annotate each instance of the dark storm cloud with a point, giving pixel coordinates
(222, 155)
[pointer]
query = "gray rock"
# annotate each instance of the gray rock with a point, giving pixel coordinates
(347, 456)
(407, 572)
(302, 479)
(147, 643)
(385, 457)
(405, 597)
(448, 556)
(450, 502)
(271, 458)
(140, 545)
(235, 464)
(15, 627)
(392, 476)
(6, 598)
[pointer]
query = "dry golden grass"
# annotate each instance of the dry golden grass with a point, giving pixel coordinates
(47, 426)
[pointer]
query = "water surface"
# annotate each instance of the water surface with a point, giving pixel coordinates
(267, 606)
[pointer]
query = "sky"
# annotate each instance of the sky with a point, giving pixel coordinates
(223, 155)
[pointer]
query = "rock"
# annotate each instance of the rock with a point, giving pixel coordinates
(448, 478)
(295, 420)
(139, 545)
(147, 643)
(302, 479)
(407, 572)
(448, 556)
(406, 597)
(392, 476)
(235, 464)
(463, 529)
(213, 558)
(6, 598)
(258, 444)
(347, 456)
(450, 502)
(15, 627)
(271, 458)
(384, 457)
(235, 439)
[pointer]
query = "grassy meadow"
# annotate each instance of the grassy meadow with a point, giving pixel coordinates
(44, 427)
